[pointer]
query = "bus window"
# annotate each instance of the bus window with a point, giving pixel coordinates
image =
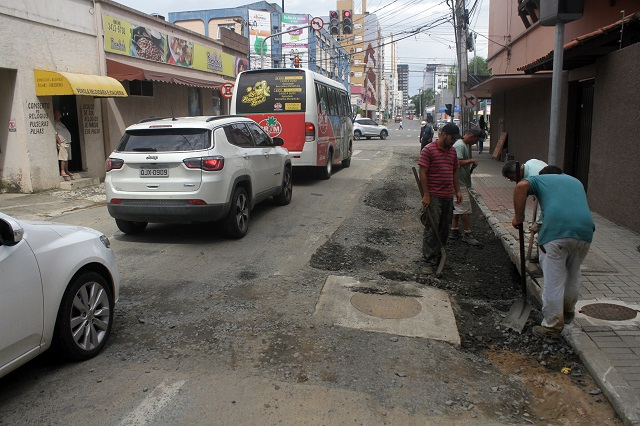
(333, 106)
(323, 100)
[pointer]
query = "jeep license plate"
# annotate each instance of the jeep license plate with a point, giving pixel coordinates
(154, 173)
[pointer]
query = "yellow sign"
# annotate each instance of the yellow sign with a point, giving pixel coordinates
(117, 35)
(292, 106)
(50, 83)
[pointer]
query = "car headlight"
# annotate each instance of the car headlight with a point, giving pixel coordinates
(104, 240)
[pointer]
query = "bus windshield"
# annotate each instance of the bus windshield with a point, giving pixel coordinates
(269, 92)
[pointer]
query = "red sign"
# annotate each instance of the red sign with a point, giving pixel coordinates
(226, 90)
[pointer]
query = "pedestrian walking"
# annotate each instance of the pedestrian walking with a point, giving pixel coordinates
(426, 134)
(467, 165)
(565, 237)
(400, 127)
(483, 127)
(438, 165)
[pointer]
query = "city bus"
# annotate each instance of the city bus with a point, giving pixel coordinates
(312, 113)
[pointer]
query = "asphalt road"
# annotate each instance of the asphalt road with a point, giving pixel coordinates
(217, 331)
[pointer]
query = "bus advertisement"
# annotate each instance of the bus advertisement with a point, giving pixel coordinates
(310, 112)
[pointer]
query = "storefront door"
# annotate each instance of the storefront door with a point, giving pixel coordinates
(69, 109)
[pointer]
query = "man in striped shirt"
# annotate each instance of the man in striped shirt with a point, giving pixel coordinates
(439, 180)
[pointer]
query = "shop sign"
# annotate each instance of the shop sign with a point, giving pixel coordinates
(144, 42)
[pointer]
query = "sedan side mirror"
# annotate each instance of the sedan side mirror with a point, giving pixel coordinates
(278, 141)
(10, 232)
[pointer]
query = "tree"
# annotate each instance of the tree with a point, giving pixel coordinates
(483, 67)
(428, 98)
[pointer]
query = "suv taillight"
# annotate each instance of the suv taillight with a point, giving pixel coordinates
(309, 132)
(208, 164)
(113, 164)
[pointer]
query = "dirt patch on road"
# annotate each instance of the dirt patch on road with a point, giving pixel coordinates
(483, 284)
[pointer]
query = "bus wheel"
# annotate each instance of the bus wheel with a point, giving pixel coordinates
(347, 161)
(325, 172)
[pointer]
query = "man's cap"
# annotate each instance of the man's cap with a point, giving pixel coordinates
(423, 123)
(451, 130)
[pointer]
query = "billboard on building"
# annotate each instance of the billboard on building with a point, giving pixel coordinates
(259, 30)
(295, 44)
(144, 42)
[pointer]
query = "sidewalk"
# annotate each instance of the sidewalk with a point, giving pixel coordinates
(606, 335)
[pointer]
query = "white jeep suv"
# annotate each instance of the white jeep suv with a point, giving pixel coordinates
(366, 127)
(195, 169)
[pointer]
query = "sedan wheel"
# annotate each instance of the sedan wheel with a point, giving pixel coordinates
(357, 135)
(383, 134)
(84, 318)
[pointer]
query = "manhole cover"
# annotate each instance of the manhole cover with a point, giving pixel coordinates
(386, 306)
(609, 312)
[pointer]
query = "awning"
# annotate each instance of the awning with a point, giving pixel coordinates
(586, 49)
(504, 82)
(124, 72)
(50, 83)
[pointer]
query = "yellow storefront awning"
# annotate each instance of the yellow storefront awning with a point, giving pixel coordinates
(50, 83)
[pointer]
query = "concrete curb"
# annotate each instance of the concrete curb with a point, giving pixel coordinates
(621, 396)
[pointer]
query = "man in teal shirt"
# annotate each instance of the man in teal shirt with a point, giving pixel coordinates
(564, 239)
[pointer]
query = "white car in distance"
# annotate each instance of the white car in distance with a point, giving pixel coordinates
(367, 128)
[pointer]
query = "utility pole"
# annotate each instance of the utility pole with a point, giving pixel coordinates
(462, 19)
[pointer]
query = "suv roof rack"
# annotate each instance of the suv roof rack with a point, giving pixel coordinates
(146, 120)
(216, 117)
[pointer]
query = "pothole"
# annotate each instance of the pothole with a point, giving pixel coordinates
(386, 306)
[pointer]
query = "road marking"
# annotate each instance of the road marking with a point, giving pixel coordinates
(151, 405)
(356, 152)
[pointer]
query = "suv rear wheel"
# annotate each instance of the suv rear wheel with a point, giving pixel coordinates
(284, 197)
(236, 224)
(129, 227)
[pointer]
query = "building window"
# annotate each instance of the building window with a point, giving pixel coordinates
(194, 102)
(140, 88)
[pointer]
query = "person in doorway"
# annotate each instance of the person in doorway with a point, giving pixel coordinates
(565, 237)
(400, 127)
(467, 165)
(63, 141)
(439, 181)
(483, 127)
(426, 134)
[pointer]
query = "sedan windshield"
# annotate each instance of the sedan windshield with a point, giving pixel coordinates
(160, 140)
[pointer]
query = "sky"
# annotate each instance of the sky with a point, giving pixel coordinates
(398, 17)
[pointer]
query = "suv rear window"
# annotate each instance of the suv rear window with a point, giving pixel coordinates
(159, 140)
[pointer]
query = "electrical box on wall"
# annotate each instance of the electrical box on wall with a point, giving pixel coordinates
(554, 11)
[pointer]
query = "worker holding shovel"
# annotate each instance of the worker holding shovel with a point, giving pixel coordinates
(439, 183)
(564, 240)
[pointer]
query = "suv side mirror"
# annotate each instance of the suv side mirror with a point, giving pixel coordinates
(278, 141)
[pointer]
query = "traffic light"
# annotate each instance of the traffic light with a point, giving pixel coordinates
(347, 22)
(334, 22)
(448, 109)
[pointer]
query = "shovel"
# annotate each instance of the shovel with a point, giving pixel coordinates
(519, 313)
(443, 253)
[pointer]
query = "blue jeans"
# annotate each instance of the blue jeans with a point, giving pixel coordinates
(442, 212)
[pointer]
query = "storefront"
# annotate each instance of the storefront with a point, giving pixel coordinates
(105, 67)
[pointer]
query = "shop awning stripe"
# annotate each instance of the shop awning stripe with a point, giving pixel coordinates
(54, 83)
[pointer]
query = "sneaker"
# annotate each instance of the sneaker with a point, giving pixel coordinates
(454, 234)
(568, 317)
(469, 239)
(542, 331)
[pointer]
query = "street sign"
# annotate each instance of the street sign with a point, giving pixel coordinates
(359, 102)
(226, 90)
(317, 23)
(468, 100)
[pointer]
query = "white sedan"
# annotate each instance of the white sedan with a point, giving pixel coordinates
(58, 287)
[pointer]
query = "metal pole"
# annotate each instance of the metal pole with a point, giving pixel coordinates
(556, 95)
